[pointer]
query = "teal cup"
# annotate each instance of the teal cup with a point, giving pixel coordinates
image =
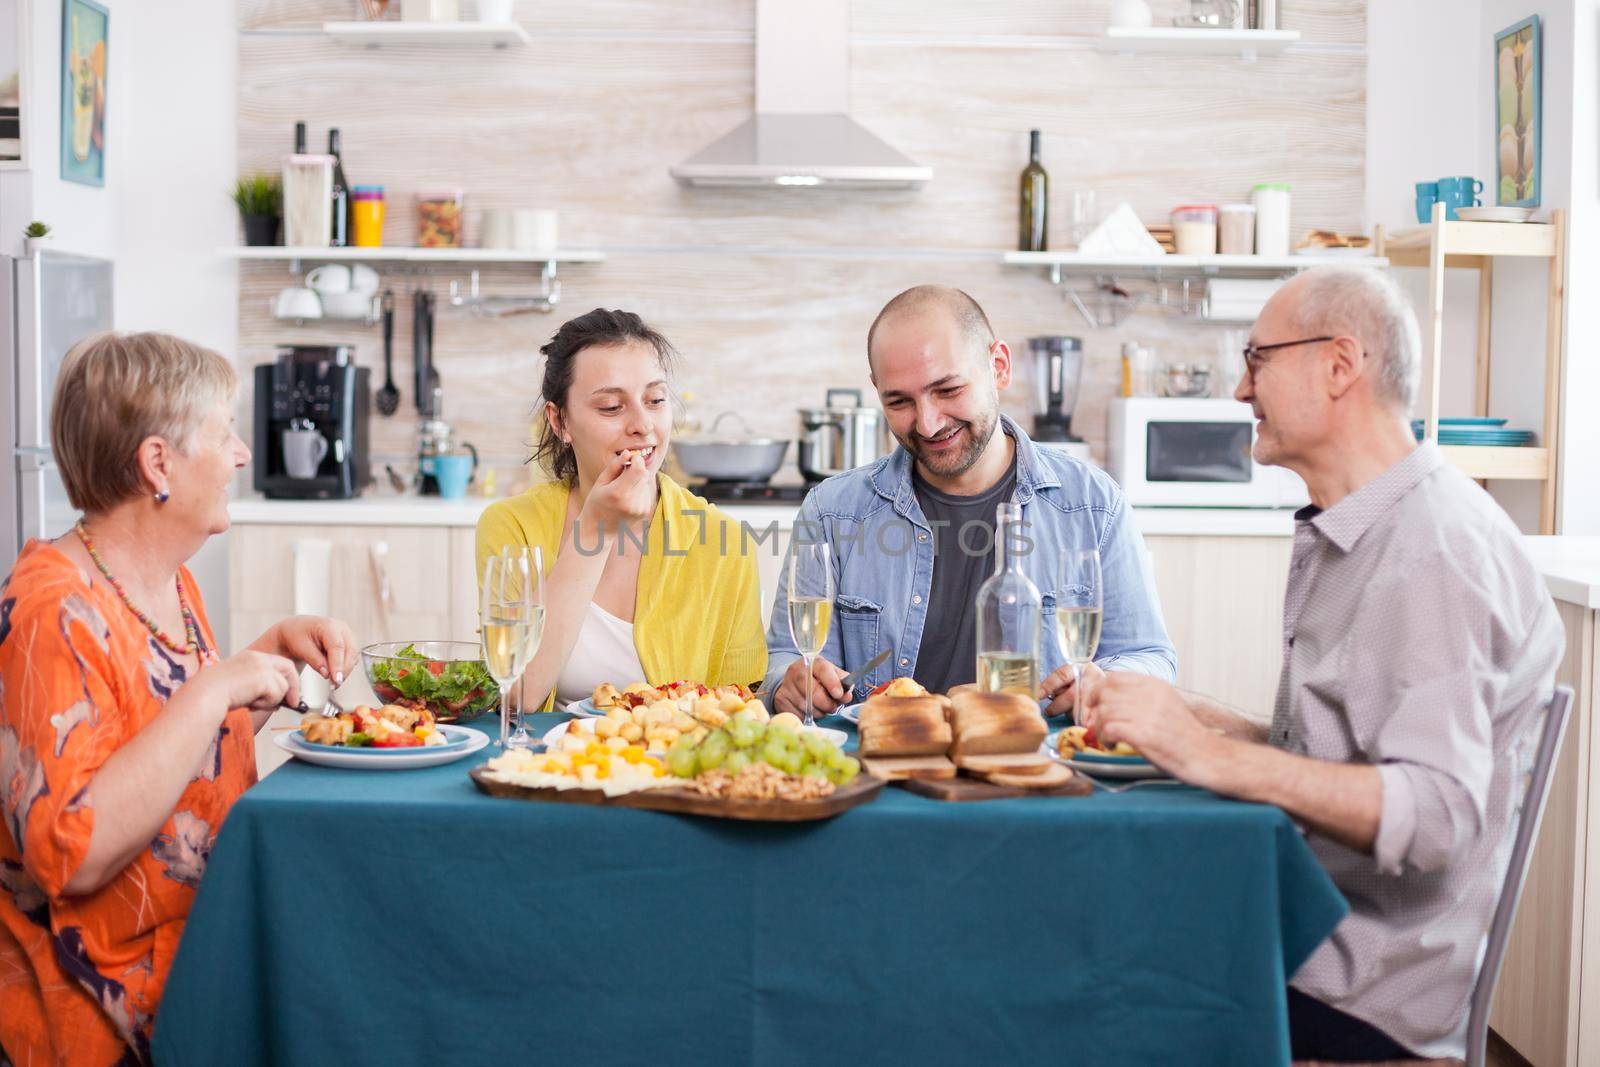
(1427, 195)
(1458, 193)
(453, 472)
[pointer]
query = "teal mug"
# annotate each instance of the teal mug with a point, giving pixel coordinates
(453, 473)
(1458, 193)
(1427, 194)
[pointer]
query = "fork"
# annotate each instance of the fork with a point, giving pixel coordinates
(1125, 786)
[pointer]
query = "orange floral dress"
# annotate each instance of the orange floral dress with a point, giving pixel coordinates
(81, 976)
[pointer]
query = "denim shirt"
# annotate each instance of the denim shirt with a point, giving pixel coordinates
(882, 549)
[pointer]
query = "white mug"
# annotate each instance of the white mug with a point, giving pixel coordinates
(297, 303)
(494, 11)
(330, 278)
(363, 279)
(303, 452)
(535, 231)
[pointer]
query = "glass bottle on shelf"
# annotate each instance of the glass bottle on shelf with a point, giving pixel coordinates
(340, 235)
(1009, 612)
(1034, 221)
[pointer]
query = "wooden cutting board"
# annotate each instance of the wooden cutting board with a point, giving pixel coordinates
(963, 788)
(683, 801)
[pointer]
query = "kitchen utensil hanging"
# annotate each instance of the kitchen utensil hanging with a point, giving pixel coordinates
(502, 306)
(1109, 303)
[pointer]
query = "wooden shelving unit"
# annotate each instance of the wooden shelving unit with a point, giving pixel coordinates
(378, 33)
(1476, 245)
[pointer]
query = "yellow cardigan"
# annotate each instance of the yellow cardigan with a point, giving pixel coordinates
(697, 612)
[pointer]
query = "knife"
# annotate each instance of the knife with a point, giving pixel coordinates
(849, 681)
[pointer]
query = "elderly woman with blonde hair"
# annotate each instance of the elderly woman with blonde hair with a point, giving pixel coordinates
(124, 735)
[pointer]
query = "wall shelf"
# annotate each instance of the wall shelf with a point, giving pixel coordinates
(1217, 266)
(1248, 44)
(399, 254)
(377, 34)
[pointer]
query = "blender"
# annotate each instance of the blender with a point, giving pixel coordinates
(1057, 370)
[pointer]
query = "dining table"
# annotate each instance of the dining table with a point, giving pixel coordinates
(405, 917)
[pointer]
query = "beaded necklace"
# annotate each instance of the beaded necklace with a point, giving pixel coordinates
(191, 629)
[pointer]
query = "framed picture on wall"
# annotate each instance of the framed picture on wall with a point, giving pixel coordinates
(14, 39)
(1518, 69)
(84, 41)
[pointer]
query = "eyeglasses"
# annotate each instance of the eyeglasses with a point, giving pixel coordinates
(1252, 353)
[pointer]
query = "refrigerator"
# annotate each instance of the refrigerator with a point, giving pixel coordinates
(48, 302)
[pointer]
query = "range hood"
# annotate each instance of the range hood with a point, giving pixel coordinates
(801, 134)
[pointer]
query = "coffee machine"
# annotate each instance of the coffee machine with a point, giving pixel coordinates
(311, 410)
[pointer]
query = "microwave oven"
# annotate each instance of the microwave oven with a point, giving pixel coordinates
(1182, 452)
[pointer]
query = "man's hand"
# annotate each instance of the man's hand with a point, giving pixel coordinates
(827, 694)
(1061, 691)
(1154, 718)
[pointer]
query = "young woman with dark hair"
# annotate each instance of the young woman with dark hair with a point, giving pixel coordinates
(645, 581)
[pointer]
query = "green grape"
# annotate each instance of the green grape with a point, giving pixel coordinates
(817, 746)
(742, 732)
(782, 732)
(714, 750)
(774, 751)
(812, 769)
(850, 768)
(737, 761)
(835, 759)
(683, 761)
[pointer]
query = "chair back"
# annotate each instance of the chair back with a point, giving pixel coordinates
(1555, 725)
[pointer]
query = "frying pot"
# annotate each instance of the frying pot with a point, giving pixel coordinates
(730, 458)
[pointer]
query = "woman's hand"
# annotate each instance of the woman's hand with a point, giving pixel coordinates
(256, 680)
(325, 645)
(624, 494)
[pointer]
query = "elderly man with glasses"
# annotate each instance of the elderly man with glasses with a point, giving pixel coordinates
(1419, 645)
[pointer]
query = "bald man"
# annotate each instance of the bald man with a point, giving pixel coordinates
(913, 534)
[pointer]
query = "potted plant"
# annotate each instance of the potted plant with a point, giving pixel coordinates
(35, 233)
(260, 202)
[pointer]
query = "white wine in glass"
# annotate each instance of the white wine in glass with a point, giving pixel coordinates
(512, 598)
(1079, 613)
(810, 589)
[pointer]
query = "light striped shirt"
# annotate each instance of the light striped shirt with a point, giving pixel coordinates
(1418, 637)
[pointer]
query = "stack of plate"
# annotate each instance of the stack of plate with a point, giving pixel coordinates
(1475, 432)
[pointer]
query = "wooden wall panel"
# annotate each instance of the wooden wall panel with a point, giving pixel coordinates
(773, 289)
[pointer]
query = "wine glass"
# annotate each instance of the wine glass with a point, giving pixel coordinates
(530, 644)
(511, 612)
(1079, 603)
(810, 588)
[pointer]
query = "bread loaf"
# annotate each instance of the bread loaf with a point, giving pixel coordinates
(988, 723)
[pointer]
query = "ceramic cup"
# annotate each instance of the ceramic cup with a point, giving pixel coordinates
(494, 10)
(1427, 194)
(303, 452)
(1457, 193)
(297, 303)
(329, 278)
(453, 473)
(350, 305)
(363, 279)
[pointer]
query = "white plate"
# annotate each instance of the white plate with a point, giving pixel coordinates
(386, 759)
(583, 709)
(1494, 214)
(850, 713)
(558, 731)
(1136, 768)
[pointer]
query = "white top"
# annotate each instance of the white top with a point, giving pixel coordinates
(604, 653)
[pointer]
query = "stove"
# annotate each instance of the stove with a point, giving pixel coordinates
(750, 492)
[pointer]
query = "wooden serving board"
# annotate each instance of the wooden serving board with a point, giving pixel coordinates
(681, 801)
(963, 788)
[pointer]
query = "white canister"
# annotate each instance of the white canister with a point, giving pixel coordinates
(494, 10)
(535, 230)
(430, 10)
(1236, 229)
(498, 228)
(1271, 200)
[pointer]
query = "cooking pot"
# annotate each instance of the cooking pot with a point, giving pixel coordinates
(836, 438)
(728, 457)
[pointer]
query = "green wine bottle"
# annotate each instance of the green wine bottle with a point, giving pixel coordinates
(1035, 227)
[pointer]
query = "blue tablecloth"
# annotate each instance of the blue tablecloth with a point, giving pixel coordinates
(403, 917)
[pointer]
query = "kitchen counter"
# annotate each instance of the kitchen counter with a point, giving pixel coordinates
(1571, 567)
(391, 510)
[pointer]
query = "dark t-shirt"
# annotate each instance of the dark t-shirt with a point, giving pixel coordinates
(963, 558)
